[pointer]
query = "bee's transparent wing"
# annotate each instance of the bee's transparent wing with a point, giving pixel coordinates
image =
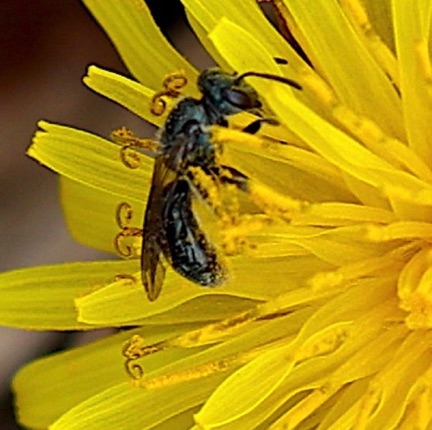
(152, 265)
(168, 168)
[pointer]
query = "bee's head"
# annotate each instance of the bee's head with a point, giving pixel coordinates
(229, 94)
(226, 93)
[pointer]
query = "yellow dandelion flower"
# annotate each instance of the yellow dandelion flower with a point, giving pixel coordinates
(324, 321)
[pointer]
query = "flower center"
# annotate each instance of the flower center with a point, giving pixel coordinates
(415, 290)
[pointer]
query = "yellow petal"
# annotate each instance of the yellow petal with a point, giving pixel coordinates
(380, 15)
(50, 386)
(338, 214)
(250, 51)
(225, 404)
(412, 36)
(90, 213)
(133, 31)
(128, 407)
(248, 16)
(42, 298)
(337, 246)
(334, 145)
(391, 386)
(325, 334)
(351, 157)
(127, 93)
(124, 303)
(297, 172)
(89, 159)
(346, 64)
(186, 382)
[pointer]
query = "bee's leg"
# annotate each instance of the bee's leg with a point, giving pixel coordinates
(224, 202)
(205, 183)
(270, 202)
(230, 175)
(254, 126)
(208, 184)
(128, 141)
(270, 207)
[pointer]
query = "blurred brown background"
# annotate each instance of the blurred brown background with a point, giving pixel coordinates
(45, 48)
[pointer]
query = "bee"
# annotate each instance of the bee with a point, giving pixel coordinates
(171, 230)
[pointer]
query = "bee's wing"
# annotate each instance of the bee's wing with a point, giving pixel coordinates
(152, 267)
(168, 167)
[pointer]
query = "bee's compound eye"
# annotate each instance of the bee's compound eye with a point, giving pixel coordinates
(240, 99)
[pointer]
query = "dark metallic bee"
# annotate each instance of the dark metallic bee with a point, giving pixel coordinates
(170, 226)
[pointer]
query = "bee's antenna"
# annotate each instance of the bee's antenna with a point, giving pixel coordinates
(287, 81)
